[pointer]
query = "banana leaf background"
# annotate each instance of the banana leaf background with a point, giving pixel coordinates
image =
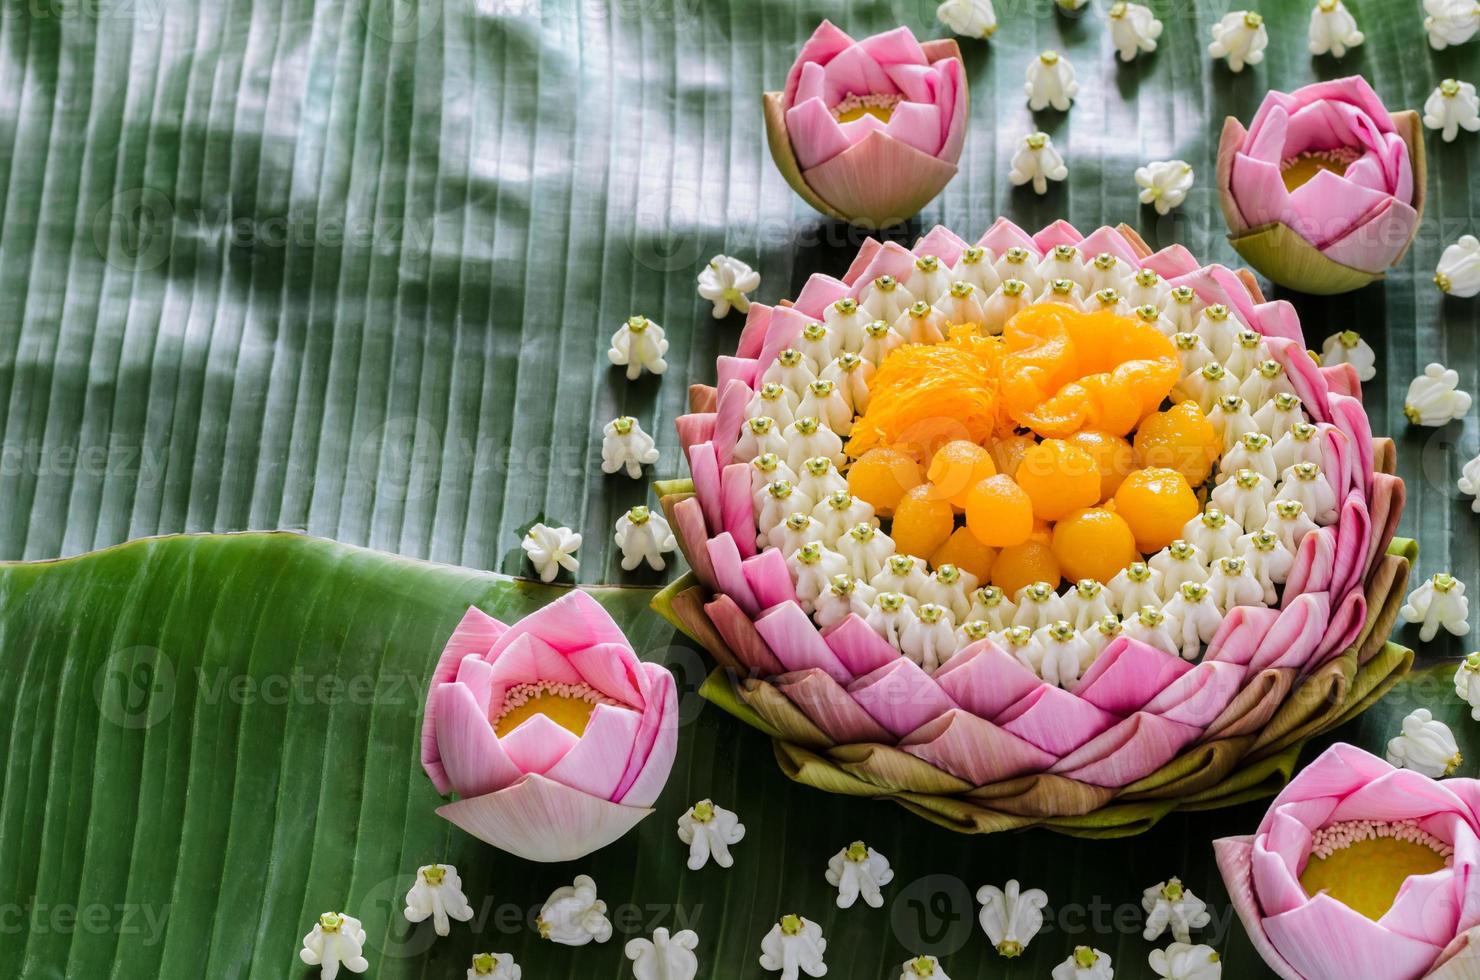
(349, 269)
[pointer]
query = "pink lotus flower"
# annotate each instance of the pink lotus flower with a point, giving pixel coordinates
(1432, 928)
(1324, 191)
(555, 736)
(869, 131)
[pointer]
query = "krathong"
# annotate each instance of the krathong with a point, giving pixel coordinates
(1005, 603)
(869, 131)
(1361, 870)
(1324, 190)
(556, 738)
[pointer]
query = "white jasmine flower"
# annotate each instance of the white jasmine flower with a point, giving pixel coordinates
(819, 344)
(1434, 397)
(859, 870)
(1104, 629)
(665, 957)
(799, 528)
(1439, 601)
(336, 940)
(1255, 451)
(885, 298)
(1022, 265)
(1264, 382)
(574, 916)
(866, 548)
(775, 402)
(1183, 306)
(1038, 162)
(1146, 288)
(1179, 563)
(1009, 298)
(969, 18)
(852, 374)
(930, 279)
(1058, 653)
(725, 281)
(1298, 445)
(1194, 618)
(1277, 415)
(1232, 418)
(625, 446)
(1182, 961)
(1232, 583)
(437, 894)
(1206, 385)
(1010, 916)
(1153, 628)
(1084, 964)
(1134, 586)
(1245, 498)
(975, 266)
(1451, 107)
(1304, 482)
(759, 436)
(1038, 605)
(1450, 22)
(1015, 640)
(1268, 560)
(961, 304)
(921, 324)
(644, 536)
(792, 370)
(1169, 904)
(1333, 29)
(1240, 38)
(1050, 83)
(1348, 347)
(710, 831)
(929, 639)
(972, 631)
(989, 604)
(794, 946)
(1133, 29)
(822, 400)
(841, 512)
(1108, 271)
(1192, 350)
(1164, 183)
(1426, 746)
(808, 436)
(494, 966)
(1087, 603)
(819, 478)
(812, 569)
(1248, 350)
(904, 574)
(1219, 329)
(1289, 522)
(639, 345)
(949, 586)
(1467, 683)
(775, 504)
(846, 320)
(1064, 262)
(1469, 482)
(922, 968)
(845, 596)
(890, 615)
(550, 549)
(1459, 268)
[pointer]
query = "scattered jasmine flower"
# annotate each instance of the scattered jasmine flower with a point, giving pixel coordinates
(1133, 29)
(793, 946)
(969, 18)
(710, 831)
(639, 345)
(1304, 483)
(437, 894)
(550, 549)
(929, 638)
(665, 957)
(1450, 22)
(1010, 916)
(1152, 627)
(922, 968)
(1194, 618)
(1426, 746)
(494, 966)
(725, 281)
(1469, 482)
(336, 940)
(1181, 961)
(1439, 601)
(1037, 161)
(1164, 183)
(1451, 107)
(574, 916)
(644, 536)
(1348, 347)
(1467, 683)
(859, 870)
(1240, 37)
(1084, 964)
(1459, 268)
(1050, 82)
(1333, 29)
(1434, 397)
(1169, 904)
(625, 446)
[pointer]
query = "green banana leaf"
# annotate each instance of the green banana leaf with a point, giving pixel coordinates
(350, 269)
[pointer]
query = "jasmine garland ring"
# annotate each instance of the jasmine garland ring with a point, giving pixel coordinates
(1186, 671)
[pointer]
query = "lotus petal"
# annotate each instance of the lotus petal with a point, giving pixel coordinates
(614, 670)
(1171, 262)
(657, 741)
(1304, 376)
(1348, 415)
(704, 466)
(1127, 674)
(1315, 563)
(787, 324)
(1055, 720)
(1347, 622)
(475, 633)
(540, 742)
(1295, 635)
(900, 696)
(769, 578)
(941, 242)
(1133, 748)
(729, 577)
(694, 428)
(527, 660)
(469, 752)
(1353, 543)
(879, 181)
(859, 647)
(1200, 695)
(753, 334)
(572, 622)
(737, 507)
(890, 259)
(865, 257)
(1325, 940)
(830, 707)
(539, 819)
(818, 293)
(791, 636)
(741, 636)
(1107, 239)
(1004, 235)
(974, 749)
(826, 43)
(686, 517)
(1234, 862)
(1242, 633)
(1427, 908)
(729, 417)
(1051, 236)
(986, 680)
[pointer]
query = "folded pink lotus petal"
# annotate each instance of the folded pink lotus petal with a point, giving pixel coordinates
(737, 507)
(1350, 417)
(572, 622)
(818, 293)
(1397, 794)
(974, 749)
(879, 176)
(1388, 493)
(740, 635)
(917, 124)
(917, 83)
(1278, 318)
(1427, 908)
(1315, 563)
(469, 753)
(812, 85)
(1278, 858)
(1241, 633)
(689, 527)
(791, 636)
(1133, 749)
(1235, 293)
(1059, 233)
(952, 100)
(753, 335)
(729, 417)
(656, 745)
(1304, 376)
(986, 680)
(831, 708)
(539, 743)
(1294, 637)
(900, 696)
(539, 819)
(526, 660)
(725, 556)
(475, 633)
(1171, 262)
(1004, 235)
(826, 43)
(1200, 695)
(1377, 241)
(1348, 619)
(476, 674)
(1055, 720)
(694, 428)
(746, 370)
(1107, 239)
(1338, 463)
(1325, 940)
(854, 72)
(896, 47)
(859, 646)
(597, 762)
(1353, 91)
(1336, 772)
(769, 578)
(854, 277)
(890, 259)
(787, 324)
(1353, 539)
(941, 242)
(1127, 674)
(704, 471)
(613, 669)
(1233, 855)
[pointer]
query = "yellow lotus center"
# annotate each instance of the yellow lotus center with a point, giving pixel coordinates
(1302, 168)
(567, 705)
(1366, 875)
(853, 107)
